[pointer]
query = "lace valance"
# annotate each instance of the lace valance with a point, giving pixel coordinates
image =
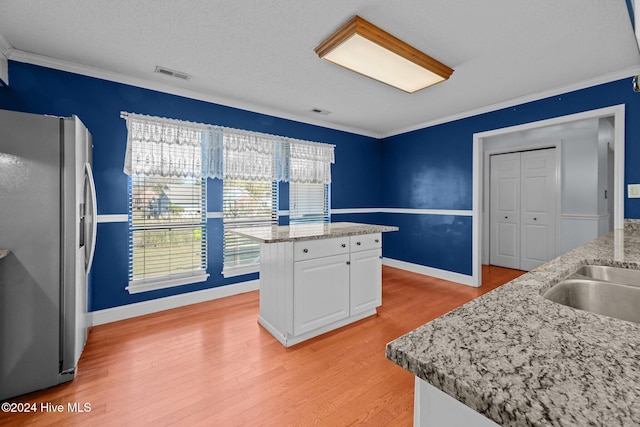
(165, 147)
(310, 163)
(157, 148)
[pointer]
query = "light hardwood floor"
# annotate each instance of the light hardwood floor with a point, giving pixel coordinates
(211, 364)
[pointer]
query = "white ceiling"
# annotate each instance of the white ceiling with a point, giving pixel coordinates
(259, 54)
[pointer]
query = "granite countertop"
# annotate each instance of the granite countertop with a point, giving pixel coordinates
(291, 233)
(4, 253)
(522, 360)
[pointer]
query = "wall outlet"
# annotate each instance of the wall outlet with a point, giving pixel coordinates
(633, 191)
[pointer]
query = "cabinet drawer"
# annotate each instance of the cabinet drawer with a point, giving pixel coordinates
(309, 249)
(365, 242)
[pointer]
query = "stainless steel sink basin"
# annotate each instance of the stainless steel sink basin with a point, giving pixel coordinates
(611, 291)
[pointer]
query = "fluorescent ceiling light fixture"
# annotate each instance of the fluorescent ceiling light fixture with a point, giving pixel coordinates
(364, 48)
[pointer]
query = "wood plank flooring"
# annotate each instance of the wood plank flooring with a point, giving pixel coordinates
(211, 364)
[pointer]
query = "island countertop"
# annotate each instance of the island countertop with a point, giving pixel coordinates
(291, 233)
(522, 360)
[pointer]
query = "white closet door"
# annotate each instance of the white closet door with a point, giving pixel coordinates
(522, 209)
(538, 210)
(505, 210)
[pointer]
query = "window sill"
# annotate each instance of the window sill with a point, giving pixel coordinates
(240, 270)
(136, 287)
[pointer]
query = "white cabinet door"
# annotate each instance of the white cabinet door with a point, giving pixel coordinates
(366, 280)
(320, 292)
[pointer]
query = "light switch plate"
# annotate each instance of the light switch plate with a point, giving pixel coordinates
(633, 191)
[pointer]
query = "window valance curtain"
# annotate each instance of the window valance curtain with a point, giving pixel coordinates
(309, 163)
(165, 147)
(159, 148)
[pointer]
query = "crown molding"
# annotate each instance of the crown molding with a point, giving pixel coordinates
(58, 64)
(5, 47)
(605, 78)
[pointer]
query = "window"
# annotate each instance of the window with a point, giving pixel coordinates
(167, 239)
(308, 203)
(167, 204)
(246, 203)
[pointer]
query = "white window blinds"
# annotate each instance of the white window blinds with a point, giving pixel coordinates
(246, 204)
(308, 203)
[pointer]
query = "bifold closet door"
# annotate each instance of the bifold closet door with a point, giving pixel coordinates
(522, 208)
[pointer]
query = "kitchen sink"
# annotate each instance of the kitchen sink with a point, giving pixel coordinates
(611, 291)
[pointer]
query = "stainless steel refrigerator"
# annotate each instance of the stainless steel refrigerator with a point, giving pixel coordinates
(48, 226)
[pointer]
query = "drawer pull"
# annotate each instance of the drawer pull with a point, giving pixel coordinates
(344, 245)
(358, 243)
(305, 250)
(348, 262)
(377, 240)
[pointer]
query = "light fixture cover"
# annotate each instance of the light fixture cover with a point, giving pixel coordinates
(364, 48)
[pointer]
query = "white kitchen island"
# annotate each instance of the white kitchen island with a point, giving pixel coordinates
(317, 277)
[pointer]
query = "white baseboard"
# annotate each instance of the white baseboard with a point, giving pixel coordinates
(430, 271)
(114, 314)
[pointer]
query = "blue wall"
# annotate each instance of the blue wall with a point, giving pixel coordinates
(431, 168)
(34, 89)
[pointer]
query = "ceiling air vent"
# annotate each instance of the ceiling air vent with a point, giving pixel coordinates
(172, 73)
(320, 111)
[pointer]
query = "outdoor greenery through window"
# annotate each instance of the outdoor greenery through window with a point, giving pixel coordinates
(246, 203)
(308, 203)
(167, 228)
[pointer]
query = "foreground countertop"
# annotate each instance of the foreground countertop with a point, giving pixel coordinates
(291, 233)
(522, 360)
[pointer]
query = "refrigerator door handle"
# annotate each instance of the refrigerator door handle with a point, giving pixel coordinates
(94, 216)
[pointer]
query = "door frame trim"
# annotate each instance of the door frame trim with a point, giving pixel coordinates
(540, 145)
(617, 111)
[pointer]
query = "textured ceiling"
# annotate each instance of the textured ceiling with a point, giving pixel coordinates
(258, 54)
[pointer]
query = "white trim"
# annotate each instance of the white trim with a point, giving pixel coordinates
(5, 47)
(451, 276)
(218, 215)
(427, 211)
(355, 211)
(100, 317)
(58, 64)
(113, 218)
(618, 111)
(4, 70)
(607, 78)
(584, 217)
(138, 286)
(241, 270)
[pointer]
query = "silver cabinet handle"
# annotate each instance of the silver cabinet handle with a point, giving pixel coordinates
(344, 245)
(358, 243)
(305, 250)
(377, 240)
